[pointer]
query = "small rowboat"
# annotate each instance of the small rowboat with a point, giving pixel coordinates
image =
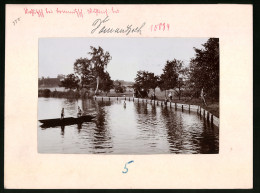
(66, 121)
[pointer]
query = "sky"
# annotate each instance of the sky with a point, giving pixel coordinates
(57, 55)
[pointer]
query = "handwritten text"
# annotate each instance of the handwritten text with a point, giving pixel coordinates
(99, 25)
(126, 169)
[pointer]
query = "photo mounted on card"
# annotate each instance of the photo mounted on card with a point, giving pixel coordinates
(142, 96)
(165, 89)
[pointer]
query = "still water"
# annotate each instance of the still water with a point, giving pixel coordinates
(137, 128)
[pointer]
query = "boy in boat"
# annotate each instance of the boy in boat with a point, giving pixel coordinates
(79, 112)
(62, 113)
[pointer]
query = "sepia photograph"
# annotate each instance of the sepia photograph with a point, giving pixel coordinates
(128, 95)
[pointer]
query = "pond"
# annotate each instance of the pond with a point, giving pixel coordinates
(137, 128)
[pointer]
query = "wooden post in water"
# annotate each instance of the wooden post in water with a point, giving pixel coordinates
(200, 110)
(208, 116)
(175, 106)
(182, 108)
(116, 98)
(157, 103)
(204, 113)
(109, 98)
(189, 108)
(125, 98)
(211, 119)
(102, 99)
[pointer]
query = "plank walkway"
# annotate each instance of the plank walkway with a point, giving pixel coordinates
(191, 108)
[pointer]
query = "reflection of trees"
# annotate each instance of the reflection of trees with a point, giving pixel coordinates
(147, 122)
(153, 110)
(141, 108)
(174, 129)
(209, 142)
(102, 138)
(191, 139)
(62, 130)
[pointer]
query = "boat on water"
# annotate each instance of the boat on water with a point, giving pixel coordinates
(66, 121)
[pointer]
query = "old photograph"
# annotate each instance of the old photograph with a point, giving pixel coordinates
(128, 95)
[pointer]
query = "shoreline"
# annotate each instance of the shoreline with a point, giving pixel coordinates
(206, 114)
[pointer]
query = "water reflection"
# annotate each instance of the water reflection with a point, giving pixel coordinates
(62, 130)
(133, 128)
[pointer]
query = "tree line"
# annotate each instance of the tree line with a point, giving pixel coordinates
(90, 73)
(202, 75)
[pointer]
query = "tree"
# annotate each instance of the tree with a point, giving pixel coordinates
(70, 82)
(152, 81)
(99, 60)
(82, 67)
(144, 81)
(204, 68)
(118, 87)
(169, 78)
(92, 70)
(106, 83)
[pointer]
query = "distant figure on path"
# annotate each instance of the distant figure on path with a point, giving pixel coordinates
(170, 96)
(202, 95)
(154, 97)
(165, 101)
(62, 114)
(124, 104)
(79, 112)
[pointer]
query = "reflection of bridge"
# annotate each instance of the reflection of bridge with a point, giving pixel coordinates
(191, 108)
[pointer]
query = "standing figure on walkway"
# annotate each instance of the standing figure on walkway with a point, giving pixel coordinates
(202, 95)
(170, 96)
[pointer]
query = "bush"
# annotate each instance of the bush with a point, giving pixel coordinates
(46, 93)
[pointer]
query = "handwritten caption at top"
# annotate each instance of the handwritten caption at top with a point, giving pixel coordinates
(77, 12)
